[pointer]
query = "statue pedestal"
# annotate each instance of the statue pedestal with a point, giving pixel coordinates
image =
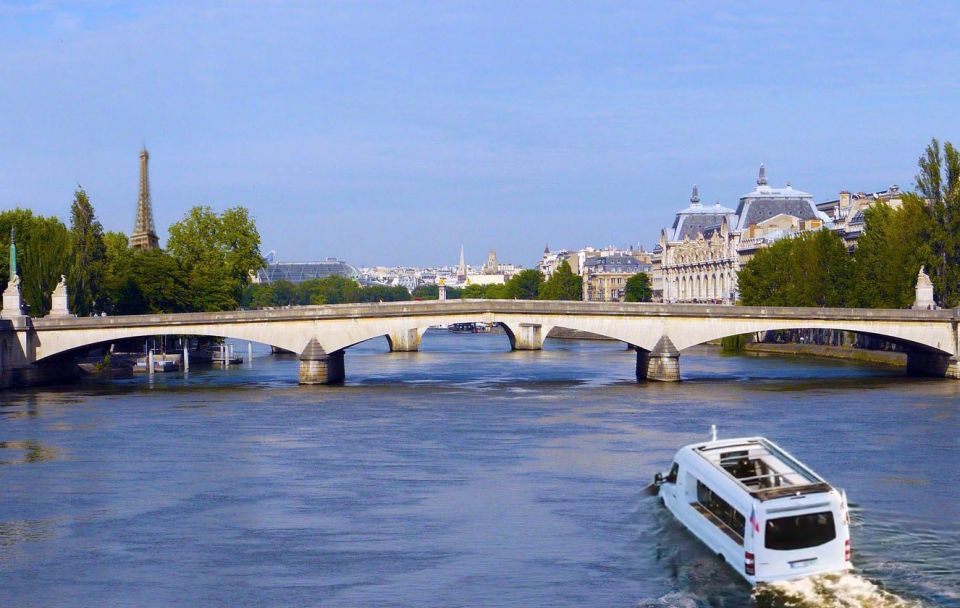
(60, 307)
(924, 293)
(12, 305)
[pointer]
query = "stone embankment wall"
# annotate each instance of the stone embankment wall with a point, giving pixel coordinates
(883, 357)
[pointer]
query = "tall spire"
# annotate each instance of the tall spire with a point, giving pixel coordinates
(695, 196)
(13, 251)
(762, 178)
(144, 234)
(462, 266)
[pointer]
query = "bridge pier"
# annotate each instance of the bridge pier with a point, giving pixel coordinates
(662, 364)
(319, 367)
(405, 340)
(526, 336)
(925, 363)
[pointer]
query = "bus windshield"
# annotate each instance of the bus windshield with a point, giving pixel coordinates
(800, 531)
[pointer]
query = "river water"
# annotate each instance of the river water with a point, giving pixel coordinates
(462, 475)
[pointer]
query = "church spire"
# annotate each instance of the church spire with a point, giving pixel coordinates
(462, 266)
(695, 196)
(144, 234)
(762, 178)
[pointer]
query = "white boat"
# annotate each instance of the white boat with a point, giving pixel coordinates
(767, 514)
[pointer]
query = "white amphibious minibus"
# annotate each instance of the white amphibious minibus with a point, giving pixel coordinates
(765, 512)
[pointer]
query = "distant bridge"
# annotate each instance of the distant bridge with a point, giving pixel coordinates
(658, 332)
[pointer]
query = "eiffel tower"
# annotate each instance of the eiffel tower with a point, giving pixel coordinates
(144, 234)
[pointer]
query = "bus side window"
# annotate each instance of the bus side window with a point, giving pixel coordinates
(673, 474)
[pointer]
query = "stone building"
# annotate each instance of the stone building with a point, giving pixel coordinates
(605, 277)
(698, 259)
(846, 211)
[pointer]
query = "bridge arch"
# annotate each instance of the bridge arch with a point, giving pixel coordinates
(79, 344)
(908, 337)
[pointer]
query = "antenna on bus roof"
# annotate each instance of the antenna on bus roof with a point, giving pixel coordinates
(713, 432)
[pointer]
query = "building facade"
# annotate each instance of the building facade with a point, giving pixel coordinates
(846, 212)
(699, 257)
(605, 277)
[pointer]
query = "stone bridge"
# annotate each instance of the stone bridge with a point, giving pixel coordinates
(658, 332)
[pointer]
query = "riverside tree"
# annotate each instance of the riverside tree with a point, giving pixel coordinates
(562, 285)
(638, 288)
(141, 282)
(218, 254)
(86, 272)
(939, 184)
(893, 246)
(43, 255)
(810, 269)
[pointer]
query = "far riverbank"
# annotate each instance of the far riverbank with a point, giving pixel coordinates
(882, 357)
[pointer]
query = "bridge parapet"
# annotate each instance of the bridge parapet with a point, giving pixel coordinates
(661, 331)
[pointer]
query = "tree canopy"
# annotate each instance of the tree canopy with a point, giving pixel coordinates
(895, 244)
(218, 254)
(333, 289)
(86, 273)
(44, 253)
(811, 269)
(562, 285)
(638, 288)
(939, 184)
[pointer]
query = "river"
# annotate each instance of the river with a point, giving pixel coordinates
(462, 475)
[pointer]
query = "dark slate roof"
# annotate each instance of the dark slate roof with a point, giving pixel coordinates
(615, 263)
(696, 223)
(753, 210)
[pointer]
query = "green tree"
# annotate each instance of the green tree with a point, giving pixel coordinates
(43, 255)
(939, 183)
(141, 282)
(384, 293)
(333, 289)
(89, 256)
(810, 269)
(638, 288)
(562, 285)
(432, 292)
(525, 285)
(218, 253)
(893, 246)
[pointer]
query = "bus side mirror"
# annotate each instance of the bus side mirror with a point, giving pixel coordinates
(658, 479)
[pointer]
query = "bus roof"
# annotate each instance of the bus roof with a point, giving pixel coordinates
(760, 467)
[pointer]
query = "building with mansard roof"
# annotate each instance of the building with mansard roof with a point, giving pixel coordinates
(697, 260)
(847, 211)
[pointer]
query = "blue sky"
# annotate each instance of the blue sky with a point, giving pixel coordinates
(390, 132)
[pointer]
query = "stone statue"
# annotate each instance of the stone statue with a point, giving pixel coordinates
(12, 306)
(60, 307)
(924, 296)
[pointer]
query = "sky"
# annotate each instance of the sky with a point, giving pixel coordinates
(391, 132)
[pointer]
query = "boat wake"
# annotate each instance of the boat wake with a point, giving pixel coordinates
(828, 591)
